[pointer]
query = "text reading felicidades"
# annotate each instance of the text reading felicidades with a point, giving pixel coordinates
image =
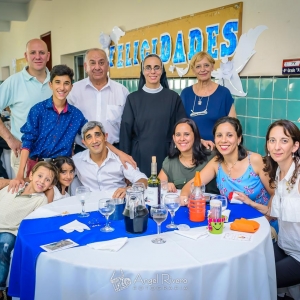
(178, 55)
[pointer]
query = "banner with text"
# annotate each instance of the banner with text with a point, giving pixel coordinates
(176, 41)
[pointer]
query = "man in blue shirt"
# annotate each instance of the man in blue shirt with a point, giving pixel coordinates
(51, 125)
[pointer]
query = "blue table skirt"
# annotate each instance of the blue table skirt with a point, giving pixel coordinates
(36, 232)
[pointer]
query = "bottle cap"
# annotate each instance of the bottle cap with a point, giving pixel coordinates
(197, 180)
(153, 159)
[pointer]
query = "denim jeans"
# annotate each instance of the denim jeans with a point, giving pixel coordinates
(7, 243)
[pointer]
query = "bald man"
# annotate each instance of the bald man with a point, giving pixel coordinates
(98, 97)
(23, 90)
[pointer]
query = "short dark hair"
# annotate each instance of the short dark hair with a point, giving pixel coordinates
(48, 166)
(199, 152)
(58, 162)
(61, 70)
(242, 152)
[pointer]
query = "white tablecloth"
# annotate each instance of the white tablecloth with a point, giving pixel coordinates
(181, 268)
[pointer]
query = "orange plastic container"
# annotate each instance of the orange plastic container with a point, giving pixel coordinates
(197, 210)
(197, 202)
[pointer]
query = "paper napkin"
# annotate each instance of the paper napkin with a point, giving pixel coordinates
(192, 234)
(75, 225)
(244, 225)
(112, 245)
(232, 198)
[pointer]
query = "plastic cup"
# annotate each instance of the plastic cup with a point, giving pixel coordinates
(215, 226)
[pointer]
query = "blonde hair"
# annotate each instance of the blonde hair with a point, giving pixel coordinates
(199, 56)
(52, 168)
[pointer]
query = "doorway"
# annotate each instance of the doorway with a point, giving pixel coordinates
(46, 37)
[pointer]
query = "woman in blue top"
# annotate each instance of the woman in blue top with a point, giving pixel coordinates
(235, 169)
(206, 101)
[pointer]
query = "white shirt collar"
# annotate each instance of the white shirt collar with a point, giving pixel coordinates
(152, 91)
(86, 156)
(88, 82)
(289, 173)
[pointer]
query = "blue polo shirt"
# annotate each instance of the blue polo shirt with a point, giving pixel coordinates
(49, 134)
(20, 92)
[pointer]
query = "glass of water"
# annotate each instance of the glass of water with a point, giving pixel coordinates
(82, 194)
(159, 214)
(106, 207)
(172, 202)
(223, 199)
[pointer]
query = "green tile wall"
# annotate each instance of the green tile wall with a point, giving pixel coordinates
(268, 99)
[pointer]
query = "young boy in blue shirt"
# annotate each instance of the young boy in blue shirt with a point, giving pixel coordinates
(51, 125)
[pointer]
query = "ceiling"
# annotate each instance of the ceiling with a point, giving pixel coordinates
(12, 10)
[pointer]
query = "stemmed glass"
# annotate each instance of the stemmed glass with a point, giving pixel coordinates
(159, 214)
(82, 194)
(223, 199)
(106, 207)
(164, 189)
(172, 202)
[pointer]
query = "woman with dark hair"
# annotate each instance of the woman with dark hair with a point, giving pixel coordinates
(149, 116)
(186, 156)
(283, 166)
(235, 169)
(66, 171)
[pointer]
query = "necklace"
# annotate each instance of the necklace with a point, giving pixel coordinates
(199, 113)
(229, 168)
(200, 100)
(186, 164)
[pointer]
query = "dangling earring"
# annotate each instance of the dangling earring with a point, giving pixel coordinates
(268, 153)
(293, 154)
(175, 146)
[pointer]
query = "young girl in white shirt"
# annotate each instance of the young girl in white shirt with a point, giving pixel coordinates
(283, 166)
(66, 171)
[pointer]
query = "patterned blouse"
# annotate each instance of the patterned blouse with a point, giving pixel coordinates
(249, 184)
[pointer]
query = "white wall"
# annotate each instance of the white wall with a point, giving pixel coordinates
(75, 26)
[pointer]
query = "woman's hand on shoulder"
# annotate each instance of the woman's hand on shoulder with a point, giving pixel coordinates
(207, 144)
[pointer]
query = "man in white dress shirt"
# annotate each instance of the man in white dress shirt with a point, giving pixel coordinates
(98, 97)
(99, 168)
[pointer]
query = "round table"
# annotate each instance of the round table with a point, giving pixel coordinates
(182, 268)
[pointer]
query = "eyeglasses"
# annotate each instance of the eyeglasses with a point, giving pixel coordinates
(155, 68)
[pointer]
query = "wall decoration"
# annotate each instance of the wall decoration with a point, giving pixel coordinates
(176, 41)
(228, 73)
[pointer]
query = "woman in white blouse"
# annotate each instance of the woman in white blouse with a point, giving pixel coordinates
(283, 165)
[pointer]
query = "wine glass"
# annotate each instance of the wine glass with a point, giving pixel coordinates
(223, 199)
(106, 207)
(83, 193)
(172, 202)
(164, 189)
(159, 214)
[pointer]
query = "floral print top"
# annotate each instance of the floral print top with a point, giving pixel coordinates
(249, 184)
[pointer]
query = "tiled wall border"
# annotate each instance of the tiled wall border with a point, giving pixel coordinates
(268, 99)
